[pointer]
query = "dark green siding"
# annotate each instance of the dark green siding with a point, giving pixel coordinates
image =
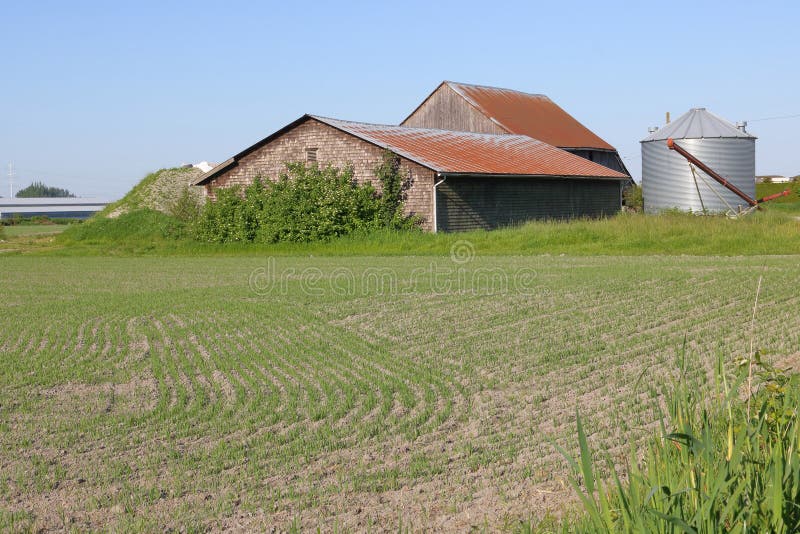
(468, 203)
(606, 158)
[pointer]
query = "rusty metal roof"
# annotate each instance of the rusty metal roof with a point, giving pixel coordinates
(528, 114)
(454, 152)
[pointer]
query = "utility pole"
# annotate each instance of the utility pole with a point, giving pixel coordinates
(11, 175)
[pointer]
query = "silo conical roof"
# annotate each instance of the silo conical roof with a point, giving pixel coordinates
(697, 123)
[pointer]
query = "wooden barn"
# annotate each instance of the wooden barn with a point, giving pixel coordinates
(460, 180)
(476, 108)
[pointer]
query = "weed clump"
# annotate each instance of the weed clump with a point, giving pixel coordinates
(716, 466)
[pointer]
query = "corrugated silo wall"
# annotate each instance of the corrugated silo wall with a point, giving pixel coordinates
(667, 181)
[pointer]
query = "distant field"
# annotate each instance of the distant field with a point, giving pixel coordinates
(354, 393)
(33, 229)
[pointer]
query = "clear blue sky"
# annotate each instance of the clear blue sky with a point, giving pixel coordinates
(96, 94)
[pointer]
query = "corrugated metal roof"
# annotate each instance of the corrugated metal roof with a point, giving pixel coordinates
(697, 123)
(473, 153)
(528, 114)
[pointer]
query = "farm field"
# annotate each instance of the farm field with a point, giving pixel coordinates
(34, 230)
(347, 393)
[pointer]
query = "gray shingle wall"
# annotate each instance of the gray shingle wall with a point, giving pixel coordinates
(468, 203)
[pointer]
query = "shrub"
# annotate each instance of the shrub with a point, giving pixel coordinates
(632, 197)
(186, 207)
(307, 203)
(394, 191)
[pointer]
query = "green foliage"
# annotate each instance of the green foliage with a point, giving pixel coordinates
(632, 197)
(187, 207)
(394, 191)
(40, 190)
(17, 219)
(306, 204)
(720, 467)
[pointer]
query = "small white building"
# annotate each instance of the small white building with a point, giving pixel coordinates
(61, 208)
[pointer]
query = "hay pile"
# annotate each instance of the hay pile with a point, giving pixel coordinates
(157, 191)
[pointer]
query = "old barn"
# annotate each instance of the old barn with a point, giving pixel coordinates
(460, 179)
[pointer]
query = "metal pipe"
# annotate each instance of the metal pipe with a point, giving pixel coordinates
(435, 185)
(776, 195)
(709, 171)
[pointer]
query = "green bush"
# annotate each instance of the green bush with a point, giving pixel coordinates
(308, 203)
(632, 197)
(17, 219)
(394, 189)
(187, 207)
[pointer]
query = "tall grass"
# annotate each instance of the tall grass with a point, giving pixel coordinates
(766, 232)
(713, 468)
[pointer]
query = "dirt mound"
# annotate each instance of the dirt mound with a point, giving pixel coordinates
(157, 191)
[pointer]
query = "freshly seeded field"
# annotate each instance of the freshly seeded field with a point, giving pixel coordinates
(347, 393)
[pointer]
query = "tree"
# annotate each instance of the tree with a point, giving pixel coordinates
(632, 198)
(38, 189)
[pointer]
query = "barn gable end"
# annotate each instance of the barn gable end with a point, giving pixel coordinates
(447, 110)
(268, 159)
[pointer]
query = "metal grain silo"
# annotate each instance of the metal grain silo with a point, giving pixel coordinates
(667, 178)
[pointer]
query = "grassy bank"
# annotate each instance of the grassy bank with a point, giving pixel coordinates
(768, 232)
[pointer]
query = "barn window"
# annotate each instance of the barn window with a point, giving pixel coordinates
(311, 155)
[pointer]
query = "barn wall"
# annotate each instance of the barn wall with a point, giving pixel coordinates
(469, 203)
(334, 147)
(603, 157)
(447, 110)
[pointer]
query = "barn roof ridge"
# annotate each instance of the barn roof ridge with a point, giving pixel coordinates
(416, 128)
(453, 83)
